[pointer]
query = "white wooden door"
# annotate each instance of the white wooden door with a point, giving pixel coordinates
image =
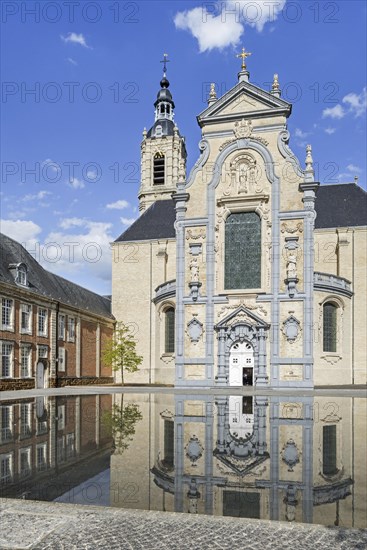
(241, 359)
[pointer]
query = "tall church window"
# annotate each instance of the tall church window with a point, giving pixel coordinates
(169, 444)
(329, 326)
(158, 169)
(242, 251)
(329, 467)
(169, 341)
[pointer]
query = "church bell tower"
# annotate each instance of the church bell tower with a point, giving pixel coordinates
(163, 151)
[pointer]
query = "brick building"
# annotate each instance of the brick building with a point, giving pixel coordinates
(49, 445)
(52, 331)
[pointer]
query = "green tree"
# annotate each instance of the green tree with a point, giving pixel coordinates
(120, 351)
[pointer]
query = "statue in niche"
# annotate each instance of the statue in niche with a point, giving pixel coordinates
(194, 269)
(242, 180)
(292, 265)
(244, 175)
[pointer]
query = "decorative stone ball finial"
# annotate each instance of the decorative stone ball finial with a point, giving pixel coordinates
(144, 133)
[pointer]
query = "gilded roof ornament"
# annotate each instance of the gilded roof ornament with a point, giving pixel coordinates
(243, 55)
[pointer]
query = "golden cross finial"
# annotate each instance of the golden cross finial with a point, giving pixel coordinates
(244, 54)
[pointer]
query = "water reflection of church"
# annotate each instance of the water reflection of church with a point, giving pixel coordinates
(275, 457)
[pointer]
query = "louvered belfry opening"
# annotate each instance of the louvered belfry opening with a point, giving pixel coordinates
(158, 169)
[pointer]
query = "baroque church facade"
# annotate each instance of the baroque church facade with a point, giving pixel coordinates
(246, 271)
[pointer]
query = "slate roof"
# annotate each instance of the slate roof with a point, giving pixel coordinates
(341, 205)
(47, 284)
(157, 222)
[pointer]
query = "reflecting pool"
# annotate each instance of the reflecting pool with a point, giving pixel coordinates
(278, 457)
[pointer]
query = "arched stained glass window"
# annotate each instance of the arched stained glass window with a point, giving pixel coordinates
(330, 311)
(169, 345)
(242, 251)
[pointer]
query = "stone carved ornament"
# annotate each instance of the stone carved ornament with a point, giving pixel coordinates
(225, 309)
(195, 234)
(290, 454)
(291, 329)
(194, 329)
(291, 228)
(194, 450)
(242, 130)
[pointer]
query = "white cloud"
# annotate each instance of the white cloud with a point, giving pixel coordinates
(72, 61)
(300, 134)
(76, 183)
(330, 131)
(118, 205)
(210, 31)
(224, 25)
(254, 13)
(67, 223)
(334, 112)
(84, 254)
(22, 231)
(357, 103)
(353, 168)
(51, 164)
(38, 196)
(127, 221)
(75, 38)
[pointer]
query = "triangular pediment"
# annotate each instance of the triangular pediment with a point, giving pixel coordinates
(244, 100)
(242, 315)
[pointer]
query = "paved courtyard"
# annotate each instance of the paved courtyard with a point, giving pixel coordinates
(44, 525)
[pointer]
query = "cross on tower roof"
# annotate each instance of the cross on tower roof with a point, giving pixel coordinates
(165, 60)
(244, 54)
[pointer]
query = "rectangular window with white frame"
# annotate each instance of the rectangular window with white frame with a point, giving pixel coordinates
(25, 319)
(25, 465)
(61, 327)
(25, 360)
(7, 359)
(6, 468)
(7, 314)
(41, 457)
(42, 352)
(6, 423)
(71, 329)
(42, 323)
(62, 360)
(25, 420)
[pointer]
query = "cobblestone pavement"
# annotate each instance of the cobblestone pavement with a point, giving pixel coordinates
(44, 525)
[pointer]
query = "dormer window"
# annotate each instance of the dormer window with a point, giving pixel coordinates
(22, 275)
(158, 131)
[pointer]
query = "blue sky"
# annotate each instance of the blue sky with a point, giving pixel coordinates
(95, 69)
